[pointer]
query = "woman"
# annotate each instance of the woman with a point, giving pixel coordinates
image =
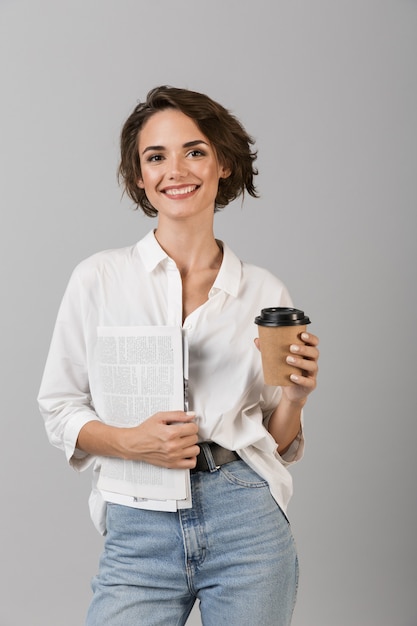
(183, 157)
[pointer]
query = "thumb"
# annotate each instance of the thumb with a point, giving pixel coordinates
(173, 417)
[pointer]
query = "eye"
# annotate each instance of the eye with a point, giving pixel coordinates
(154, 158)
(196, 153)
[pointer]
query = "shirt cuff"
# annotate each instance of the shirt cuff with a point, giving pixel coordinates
(78, 459)
(296, 450)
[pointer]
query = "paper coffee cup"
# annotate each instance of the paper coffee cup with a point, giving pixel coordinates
(279, 328)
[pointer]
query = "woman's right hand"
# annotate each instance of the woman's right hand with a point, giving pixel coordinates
(168, 439)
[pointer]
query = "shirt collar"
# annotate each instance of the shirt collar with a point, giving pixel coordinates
(230, 272)
(151, 252)
(228, 278)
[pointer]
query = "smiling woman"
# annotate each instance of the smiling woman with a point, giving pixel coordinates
(230, 546)
(176, 177)
(222, 131)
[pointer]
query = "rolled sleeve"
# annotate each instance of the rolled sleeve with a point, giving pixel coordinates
(78, 459)
(296, 450)
(64, 397)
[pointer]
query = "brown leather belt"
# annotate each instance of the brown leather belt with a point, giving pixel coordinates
(220, 455)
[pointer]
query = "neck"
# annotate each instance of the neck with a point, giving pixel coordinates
(192, 249)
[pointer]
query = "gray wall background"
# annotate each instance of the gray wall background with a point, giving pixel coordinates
(329, 91)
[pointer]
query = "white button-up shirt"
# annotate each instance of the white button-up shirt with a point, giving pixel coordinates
(141, 285)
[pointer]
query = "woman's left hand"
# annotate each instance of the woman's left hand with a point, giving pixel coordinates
(284, 422)
(304, 357)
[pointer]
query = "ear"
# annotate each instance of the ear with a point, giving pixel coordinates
(224, 171)
(140, 184)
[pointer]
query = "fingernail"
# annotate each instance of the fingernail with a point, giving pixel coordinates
(294, 377)
(305, 336)
(290, 359)
(294, 348)
(190, 413)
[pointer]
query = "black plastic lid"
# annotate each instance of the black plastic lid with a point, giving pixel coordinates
(282, 316)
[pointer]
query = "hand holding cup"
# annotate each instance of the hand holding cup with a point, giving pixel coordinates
(280, 328)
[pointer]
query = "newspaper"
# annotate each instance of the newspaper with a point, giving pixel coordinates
(142, 370)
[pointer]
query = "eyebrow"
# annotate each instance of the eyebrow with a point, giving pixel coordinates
(189, 144)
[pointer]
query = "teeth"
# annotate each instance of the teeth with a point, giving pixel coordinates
(178, 192)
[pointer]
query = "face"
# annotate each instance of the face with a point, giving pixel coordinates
(180, 170)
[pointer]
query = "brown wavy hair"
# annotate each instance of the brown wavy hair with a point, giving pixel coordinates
(232, 144)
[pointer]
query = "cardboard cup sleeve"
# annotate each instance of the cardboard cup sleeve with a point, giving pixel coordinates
(274, 342)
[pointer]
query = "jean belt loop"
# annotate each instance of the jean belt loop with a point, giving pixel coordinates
(209, 457)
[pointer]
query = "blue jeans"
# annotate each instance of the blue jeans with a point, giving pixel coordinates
(233, 550)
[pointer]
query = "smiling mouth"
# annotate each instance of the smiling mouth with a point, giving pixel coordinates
(180, 191)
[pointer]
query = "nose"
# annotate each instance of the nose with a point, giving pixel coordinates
(177, 167)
